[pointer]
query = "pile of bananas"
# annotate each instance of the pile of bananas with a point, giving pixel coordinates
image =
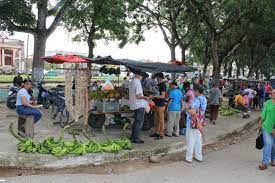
(228, 111)
(60, 147)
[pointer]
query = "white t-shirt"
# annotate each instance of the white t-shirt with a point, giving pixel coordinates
(135, 89)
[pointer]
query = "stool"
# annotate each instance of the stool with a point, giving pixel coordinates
(26, 126)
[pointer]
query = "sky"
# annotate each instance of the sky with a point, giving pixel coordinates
(153, 48)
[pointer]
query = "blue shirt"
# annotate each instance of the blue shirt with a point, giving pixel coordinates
(22, 93)
(199, 102)
(176, 97)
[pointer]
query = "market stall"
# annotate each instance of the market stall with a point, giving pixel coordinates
(105, 101)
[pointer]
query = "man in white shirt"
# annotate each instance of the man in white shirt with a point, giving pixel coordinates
(138, 102)
(251, 94)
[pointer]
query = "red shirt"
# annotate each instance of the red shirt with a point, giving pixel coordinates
(267, 88)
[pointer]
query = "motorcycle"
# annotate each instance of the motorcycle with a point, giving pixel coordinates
(11, 99)
(44, 95)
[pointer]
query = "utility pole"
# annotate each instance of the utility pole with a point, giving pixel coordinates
(27, 54)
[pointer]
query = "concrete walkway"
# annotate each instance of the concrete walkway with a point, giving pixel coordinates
(10, 157)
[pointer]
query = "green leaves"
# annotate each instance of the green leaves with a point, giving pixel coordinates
(14, 13)
(94, 20)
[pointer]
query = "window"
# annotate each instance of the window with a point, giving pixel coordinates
(8, 57)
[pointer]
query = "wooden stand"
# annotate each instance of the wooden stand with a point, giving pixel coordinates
(26, 126)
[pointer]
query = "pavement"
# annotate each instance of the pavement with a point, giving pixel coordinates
(234, 164)
(10, 157)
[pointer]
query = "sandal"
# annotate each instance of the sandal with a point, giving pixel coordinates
(263, 166)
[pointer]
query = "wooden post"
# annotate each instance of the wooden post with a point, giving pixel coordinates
(26, 126)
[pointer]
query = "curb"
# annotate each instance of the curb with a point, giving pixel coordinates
(40, 161)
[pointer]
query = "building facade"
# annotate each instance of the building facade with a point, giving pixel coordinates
(11, 55)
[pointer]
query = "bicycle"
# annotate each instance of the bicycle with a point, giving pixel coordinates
(59, 109)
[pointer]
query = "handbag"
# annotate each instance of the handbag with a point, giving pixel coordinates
(260, 141)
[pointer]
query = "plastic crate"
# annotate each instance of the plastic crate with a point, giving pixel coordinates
(108, 106)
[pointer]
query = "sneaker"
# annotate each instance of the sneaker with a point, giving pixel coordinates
(168, 135)
(272, 163)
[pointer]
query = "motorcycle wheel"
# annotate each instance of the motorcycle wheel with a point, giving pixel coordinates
(46, 103)
(11, 103)
(54, 111)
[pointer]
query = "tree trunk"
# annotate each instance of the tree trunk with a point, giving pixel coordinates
(257, 74)
(243, 71)
(238, 71)
(173, 52)
(250, 72)
(225, 69)
(216, 61)
(40, 40)
(183, 58)
(205, 65)
(230, 68)
(91, 46)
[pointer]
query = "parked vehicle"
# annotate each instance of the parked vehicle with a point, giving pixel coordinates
(44, 95)
(11, 100)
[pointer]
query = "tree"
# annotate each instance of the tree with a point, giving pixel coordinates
(170, 17)
(223, 19)
(95, 20)
(18, 15)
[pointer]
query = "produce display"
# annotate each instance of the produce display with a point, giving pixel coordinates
(60, 147)
(105, 70)
(117, 93)
(229, 111)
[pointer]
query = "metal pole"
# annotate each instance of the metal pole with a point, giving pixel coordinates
(27, 52)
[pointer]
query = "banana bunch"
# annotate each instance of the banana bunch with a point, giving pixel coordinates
(228, 111)
(80, 149)
(124, 143)
(60, 147)
(94, 147)
(27, 145)
(110, 147)
(59, 151)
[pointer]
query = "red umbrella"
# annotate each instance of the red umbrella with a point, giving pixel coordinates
(60, 59)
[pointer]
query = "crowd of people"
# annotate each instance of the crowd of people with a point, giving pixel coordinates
(183, 101)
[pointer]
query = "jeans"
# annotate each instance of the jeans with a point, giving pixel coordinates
(269, 147)
(261, 102)
(138, 123)
(194, 142)
(28, 111)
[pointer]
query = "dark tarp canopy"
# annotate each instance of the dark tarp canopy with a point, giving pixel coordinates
(152, 67)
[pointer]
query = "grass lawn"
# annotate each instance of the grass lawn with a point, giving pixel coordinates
(9, 78)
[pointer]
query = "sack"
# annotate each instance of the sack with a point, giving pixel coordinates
(260, 141)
